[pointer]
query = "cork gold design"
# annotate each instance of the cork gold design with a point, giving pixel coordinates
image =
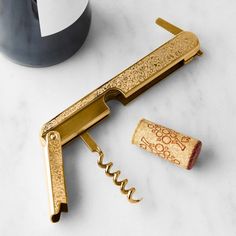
(166, 143)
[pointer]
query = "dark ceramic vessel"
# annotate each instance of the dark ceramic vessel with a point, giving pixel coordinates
(21, 41)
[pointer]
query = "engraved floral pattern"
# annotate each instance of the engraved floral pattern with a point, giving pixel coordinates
(135, 75)
(56, 171)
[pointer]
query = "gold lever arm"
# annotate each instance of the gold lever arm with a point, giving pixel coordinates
(168, 26)
(55, 173)
(126, 85)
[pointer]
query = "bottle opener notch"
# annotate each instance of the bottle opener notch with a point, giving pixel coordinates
(90, 110)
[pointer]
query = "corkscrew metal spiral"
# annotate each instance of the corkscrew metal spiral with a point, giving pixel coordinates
(107, 166)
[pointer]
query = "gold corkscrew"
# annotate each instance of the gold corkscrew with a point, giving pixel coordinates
(107, 166)
(77, 119)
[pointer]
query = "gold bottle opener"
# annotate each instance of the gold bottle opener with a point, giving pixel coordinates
(78, 118)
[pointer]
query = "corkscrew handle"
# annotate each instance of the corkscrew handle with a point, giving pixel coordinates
(78, 118)
(126, 85)
(55, 176)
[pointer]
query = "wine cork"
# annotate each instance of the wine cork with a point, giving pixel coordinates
(166, 143)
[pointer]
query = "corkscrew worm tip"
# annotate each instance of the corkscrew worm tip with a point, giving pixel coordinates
(107, 166)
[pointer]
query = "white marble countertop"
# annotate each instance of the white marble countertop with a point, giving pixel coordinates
(199, 100)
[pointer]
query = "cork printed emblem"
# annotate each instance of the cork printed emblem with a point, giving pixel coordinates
(166, 143)
(164, 136)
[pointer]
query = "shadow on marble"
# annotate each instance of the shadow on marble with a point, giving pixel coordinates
(205, 159)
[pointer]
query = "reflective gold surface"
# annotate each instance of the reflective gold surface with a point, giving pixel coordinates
(55, 174)
(91, 109)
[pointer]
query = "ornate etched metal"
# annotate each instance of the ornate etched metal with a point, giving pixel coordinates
(78, 118)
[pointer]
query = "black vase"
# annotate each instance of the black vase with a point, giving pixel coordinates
(21, 40)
